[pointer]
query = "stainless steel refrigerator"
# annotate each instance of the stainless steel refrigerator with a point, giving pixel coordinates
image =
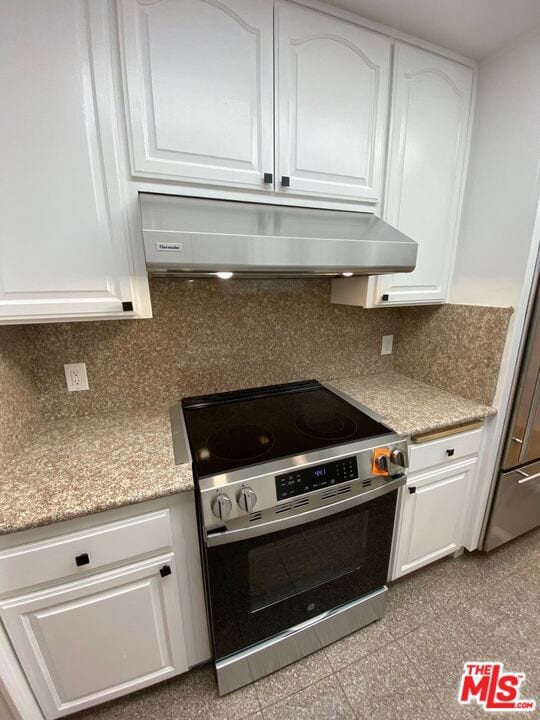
(516, 502)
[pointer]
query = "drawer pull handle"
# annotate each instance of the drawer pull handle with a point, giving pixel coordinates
(527, 478)
(450, 452)
(82, 559)
(412, 490)
(165, 570)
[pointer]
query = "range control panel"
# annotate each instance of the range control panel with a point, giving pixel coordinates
(316, 477)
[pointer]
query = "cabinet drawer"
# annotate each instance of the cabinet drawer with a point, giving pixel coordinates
(445, 450)
(54, 559)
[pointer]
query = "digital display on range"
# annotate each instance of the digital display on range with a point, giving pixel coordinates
(316, 477)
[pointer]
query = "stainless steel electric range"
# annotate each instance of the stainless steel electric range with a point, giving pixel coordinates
(296, 489)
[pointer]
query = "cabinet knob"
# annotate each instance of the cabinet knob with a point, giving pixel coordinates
(165, 570)
(385, 297)
(450, 452)
(285, 181)
(268, 178)
(412, 490)
(82, 559)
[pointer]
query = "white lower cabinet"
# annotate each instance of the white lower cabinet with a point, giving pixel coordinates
(96, 609)
(432, 514)
(98, 638)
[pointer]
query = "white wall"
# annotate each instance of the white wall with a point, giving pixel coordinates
(500, 229)
(503, 184)
(498, 244)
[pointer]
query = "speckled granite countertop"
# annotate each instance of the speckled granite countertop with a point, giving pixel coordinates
(85, 465)
(408, 406)
(88, 464)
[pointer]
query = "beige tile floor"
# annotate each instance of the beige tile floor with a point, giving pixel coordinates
(404, 667)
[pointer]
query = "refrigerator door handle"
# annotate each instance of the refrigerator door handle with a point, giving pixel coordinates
(527, 478)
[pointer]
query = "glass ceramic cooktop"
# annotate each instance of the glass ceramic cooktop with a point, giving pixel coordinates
(229, 431)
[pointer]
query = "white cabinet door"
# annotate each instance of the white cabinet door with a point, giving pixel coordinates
(332, 84)
(433, 512)
(430, 118)
(199, 85)
(92, 640)
(64, 242)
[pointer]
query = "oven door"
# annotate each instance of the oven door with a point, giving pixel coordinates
(266, 579)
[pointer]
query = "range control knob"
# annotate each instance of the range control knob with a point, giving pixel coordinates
(381, 462)
(399, 458)
(221, 506)
(247, 499)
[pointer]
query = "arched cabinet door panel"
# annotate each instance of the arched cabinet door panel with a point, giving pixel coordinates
(198, 78)
(426, 168)
(332, 86)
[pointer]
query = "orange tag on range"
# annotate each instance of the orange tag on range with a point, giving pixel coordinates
(377, 453)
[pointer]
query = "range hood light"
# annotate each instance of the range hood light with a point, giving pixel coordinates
(347, 274)
(224, 275)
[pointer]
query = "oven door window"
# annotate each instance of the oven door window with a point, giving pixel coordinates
(265, 585)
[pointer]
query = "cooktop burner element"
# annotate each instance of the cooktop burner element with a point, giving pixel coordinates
(336, 426)
(228, 431)
(239, 443)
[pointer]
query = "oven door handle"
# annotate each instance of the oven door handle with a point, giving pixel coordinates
(230, 536)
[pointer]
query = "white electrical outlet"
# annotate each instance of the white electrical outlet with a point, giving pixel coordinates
(387, 343)
(76, 377)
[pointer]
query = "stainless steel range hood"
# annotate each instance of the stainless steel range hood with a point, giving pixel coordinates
(194, 237)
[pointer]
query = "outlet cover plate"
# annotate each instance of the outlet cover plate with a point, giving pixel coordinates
(387, 344)
(76, 377)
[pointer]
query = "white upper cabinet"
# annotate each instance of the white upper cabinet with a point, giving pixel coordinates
(199, 86)
(64, 244)
(199, 82)
(243, 99)
(332, 82)
(430, 119)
